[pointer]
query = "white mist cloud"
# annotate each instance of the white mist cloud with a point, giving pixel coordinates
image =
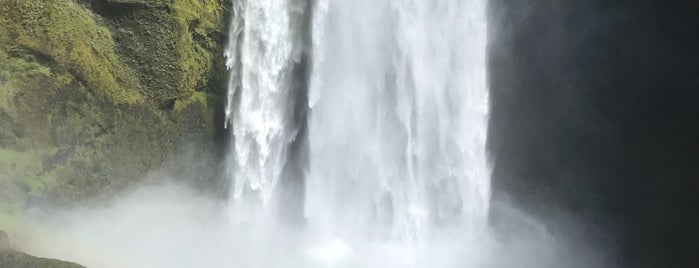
(166, 226)
(170, 226)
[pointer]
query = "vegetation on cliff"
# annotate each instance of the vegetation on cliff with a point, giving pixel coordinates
(63, 31)
(95, 93)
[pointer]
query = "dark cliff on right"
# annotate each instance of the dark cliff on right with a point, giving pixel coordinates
(594, 115)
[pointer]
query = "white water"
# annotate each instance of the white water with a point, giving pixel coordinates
(395, 171)
(397, 129)
(261, 49)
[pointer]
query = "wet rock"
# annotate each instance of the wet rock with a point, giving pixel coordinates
(94, 94)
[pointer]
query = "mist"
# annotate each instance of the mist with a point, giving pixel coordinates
(590, 109)
(354, 143)
(170, 225)
(517, 134)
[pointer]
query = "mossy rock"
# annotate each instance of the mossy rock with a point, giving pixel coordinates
(94, 94)
(63, 31)
(175, 45)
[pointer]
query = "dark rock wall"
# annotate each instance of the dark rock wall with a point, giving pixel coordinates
(594, 116)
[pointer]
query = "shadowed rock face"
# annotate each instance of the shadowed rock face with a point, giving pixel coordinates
(9, 258)
(594, 110)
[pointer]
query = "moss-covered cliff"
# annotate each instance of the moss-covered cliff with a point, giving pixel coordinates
(95, 93)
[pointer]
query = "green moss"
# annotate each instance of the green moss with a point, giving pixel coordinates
(201, 102)
(64, 135)
(68, 33)
(195, 21)
(27, 90)
(24, 168)
(14, 72)
(197, 97)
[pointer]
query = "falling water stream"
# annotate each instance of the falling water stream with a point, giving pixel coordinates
(396, 113)
(358, 133)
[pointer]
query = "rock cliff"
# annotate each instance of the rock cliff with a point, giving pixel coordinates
(96, 93)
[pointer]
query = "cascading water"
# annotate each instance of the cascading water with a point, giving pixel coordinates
(262, 50)
(396, 120)
(398, 116)
(358, 132)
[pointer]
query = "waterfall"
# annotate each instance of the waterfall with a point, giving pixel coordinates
(261, 54)
(396, 117)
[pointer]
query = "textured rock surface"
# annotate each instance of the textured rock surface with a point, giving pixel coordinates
(96, 93)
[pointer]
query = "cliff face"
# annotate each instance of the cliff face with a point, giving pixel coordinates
(95, 93)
